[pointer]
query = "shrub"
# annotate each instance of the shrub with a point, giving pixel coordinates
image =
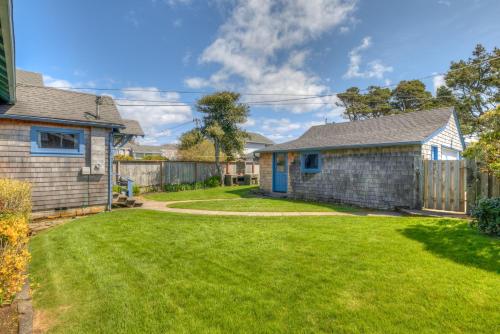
(117, 188)
(123, 157)
(211, 182)
(136, 189)
(154, 157)
(15, 209)
(487, 216)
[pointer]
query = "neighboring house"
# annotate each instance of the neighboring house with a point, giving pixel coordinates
(58, 140)
(138, 151)
(255, 142)
(370, 163)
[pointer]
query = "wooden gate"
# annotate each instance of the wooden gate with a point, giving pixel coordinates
(444, 185)
(452, 185)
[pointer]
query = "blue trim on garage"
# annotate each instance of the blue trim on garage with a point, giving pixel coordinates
(38, 151)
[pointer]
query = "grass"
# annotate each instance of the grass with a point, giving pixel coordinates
(139, 271)
(209, 193)
(264, 205)
(248, 202)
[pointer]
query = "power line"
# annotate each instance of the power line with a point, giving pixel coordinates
(302, 96)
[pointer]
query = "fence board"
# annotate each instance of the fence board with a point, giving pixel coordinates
(157, 173)
(455, 185)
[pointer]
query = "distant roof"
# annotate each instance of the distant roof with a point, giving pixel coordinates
(258, 138)
(139, 148)
(132, 127)
(58, 105)
(408, 128)
(29, 78)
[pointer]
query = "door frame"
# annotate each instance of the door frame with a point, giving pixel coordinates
(285, 172)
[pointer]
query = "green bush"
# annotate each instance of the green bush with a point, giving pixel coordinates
(117, 189)
(487, 216)
(136, 189)
(15, 209)
(211, 182)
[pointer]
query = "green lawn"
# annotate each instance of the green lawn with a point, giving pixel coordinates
(247, 201)
(139, 271)
(209, 193)
(264, 205)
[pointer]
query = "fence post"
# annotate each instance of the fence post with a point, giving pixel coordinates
(471, 185)
(117, 170)
(161, 175)
(195, 172)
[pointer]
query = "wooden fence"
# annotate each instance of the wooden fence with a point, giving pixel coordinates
(155, 174)
(455, 185)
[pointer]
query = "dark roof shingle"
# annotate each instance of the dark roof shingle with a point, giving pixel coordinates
(132, 127)
(408, 128)
(258, 138)
(47, 103)
(29, 78)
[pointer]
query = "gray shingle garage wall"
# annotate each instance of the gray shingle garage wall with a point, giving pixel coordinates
(382, 178)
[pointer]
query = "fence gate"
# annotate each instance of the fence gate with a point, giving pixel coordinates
(444, 185)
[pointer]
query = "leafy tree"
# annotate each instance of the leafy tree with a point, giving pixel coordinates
(444, 97)
(375, 103)
(487, 148)
(199, 151)
(220, 125)
(475, 82)
(410, 96)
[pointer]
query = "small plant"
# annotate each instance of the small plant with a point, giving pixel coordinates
(211, 182)
(487, 216)
(117, 189)
(154, 157)
(123, 157)
(136, 190)
(15, 209)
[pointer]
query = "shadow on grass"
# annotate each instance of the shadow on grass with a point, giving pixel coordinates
(455, 240)
(247, 192)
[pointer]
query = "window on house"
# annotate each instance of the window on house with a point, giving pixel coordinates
(434, 153)
(310, 162)
(54, 141)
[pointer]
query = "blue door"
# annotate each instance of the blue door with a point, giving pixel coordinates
(280, 174)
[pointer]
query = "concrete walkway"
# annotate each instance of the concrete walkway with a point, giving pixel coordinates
(164, 206)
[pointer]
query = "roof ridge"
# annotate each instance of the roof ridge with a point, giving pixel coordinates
(403, 114)
(64, 90)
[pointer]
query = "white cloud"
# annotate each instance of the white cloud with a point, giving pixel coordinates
(248, 44)
(196, 82)
(374, 69)
(173, 3)
(444, 3)
(250, 122)
(154, 119)
(279, 126)
(50, 81)
(344, 29)
(438, 81)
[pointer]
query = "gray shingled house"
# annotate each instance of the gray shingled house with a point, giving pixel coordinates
(61, 141)
(371, 163)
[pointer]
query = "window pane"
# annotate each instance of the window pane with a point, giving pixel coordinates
(280, 162)
(50, 140)
(58, 140)
(69, 141)
(311, 161)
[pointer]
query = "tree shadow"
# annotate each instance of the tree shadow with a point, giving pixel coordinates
(246, 192)
(455, 240)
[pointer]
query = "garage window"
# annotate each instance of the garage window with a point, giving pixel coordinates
(310, 162)
(57, 141)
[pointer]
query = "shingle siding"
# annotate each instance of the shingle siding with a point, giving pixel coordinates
(57, 181)
(382, 178)
(448, 137)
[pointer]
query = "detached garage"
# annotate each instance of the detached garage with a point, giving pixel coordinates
(370, 163)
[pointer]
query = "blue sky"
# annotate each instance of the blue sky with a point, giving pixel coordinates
(295, 47)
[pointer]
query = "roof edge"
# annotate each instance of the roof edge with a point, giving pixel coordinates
(340, 147)
(62, 121)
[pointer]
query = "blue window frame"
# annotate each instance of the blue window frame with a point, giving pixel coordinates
(310, 162)
(47, 141)
(434, 153)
